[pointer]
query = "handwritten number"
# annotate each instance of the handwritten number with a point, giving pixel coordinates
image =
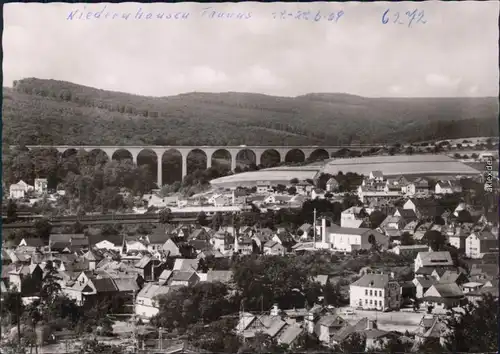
(411, 16)
(339, 15)
(384, 17)
(421, 17)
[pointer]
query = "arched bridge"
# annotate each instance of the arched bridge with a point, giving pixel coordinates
(209, 151)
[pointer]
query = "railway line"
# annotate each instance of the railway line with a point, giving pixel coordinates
(67, 220)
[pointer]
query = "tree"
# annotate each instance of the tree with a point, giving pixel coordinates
(434, 239)
(280, 188)
(395, 345)
(464, 216)
(476, 329)
(11, 210)
(294, 181)
(407, 239)
(292, 190)
(217, 221)
(376, 218)
(50, 286)
(166, 216)
(201, 219)
(43, 228)
(354, 343)
(409, 150)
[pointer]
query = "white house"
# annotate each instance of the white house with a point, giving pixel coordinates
(318, 193)
(274, 248)
(351, 217)
(376, 176)
(448, 187)
(375, 291)
(19, 189)
(348, 239)
(409, 250)
(41, 185)
(433, 259)
(146, 304)
(332, 185)
(478, 244)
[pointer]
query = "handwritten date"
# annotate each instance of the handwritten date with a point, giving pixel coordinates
(409, 18)
(308, 15)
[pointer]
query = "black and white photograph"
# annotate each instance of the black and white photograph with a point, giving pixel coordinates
(250, 177)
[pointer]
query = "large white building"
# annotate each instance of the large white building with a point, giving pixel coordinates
(480, 243)
(375, 292)
(347, 239)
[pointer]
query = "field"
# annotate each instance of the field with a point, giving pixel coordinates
(408, 165)
(274, 176)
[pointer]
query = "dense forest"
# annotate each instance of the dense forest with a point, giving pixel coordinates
(78, 114)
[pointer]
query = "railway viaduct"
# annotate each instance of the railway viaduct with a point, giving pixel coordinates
(209, 151)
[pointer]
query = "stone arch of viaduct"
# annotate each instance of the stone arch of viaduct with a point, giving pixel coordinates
(208, 150)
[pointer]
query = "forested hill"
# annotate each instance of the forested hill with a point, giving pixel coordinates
(54, 112)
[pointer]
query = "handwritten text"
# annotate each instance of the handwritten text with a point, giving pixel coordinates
(409, 18)
(308, 15)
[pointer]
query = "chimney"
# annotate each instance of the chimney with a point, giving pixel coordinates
(323, 231)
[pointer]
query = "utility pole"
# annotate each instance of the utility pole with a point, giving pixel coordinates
(18, 311)
(314, 240)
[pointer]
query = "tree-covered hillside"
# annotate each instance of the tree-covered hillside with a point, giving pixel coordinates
(54, 112)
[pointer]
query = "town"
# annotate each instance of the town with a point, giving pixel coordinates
(342, 263)
(250, 178)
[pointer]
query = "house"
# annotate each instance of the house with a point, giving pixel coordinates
(171, 249)
(243, 245)
(366, 328)
(449, 276)
(431, 327)
(376, 176)
(422, 284)
(133, 244)
(480, 243)
(375, 291)
(30, 244)
(264, 187)
(459, 239)
(109, 242)
(67, 242)
(156, 239)
(280, 199)
(393, 223)
(146, 303)
(353, 217)
(40, 185)
(477, 295)
(327, 326)
(409, 250)
(19, 190)
(304, 188)
(26, 279)
(433, 259)
(184, 264)
(350, 239)
(184, 278)
(273, 248)
(149, 268)
(443, 295)
(424, 208)
(408, 215)
(419, 186)
(332, 185)
(448, 187)
(318, 193)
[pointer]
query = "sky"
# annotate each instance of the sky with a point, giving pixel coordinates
(449, 50)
